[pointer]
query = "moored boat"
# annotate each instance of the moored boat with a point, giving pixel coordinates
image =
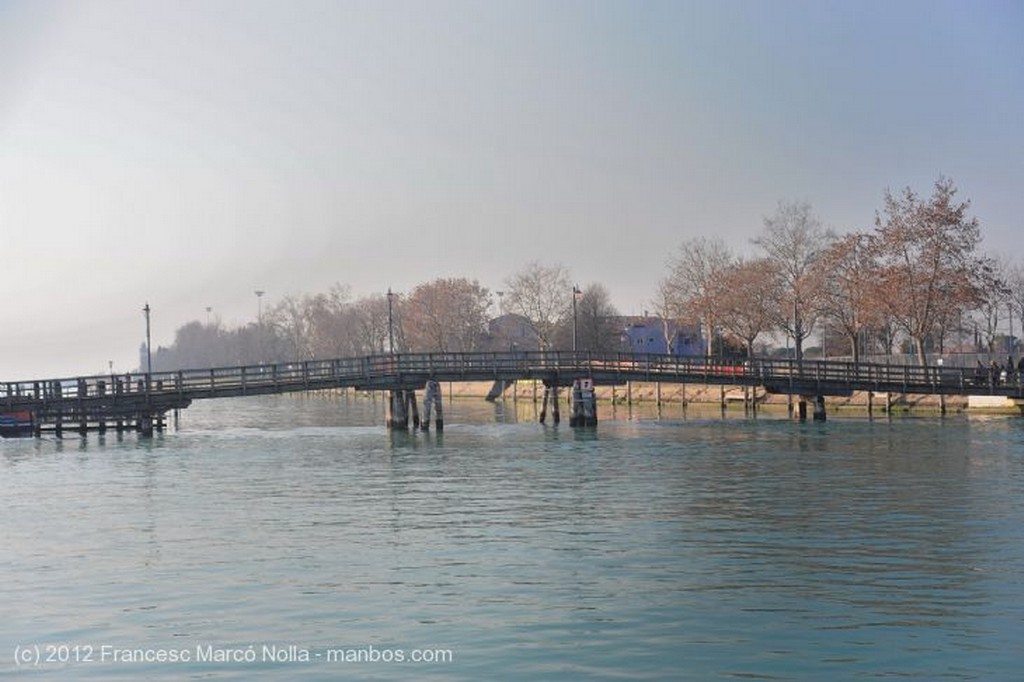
(16, 424)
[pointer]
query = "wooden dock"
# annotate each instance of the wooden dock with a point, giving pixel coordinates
(141, 401)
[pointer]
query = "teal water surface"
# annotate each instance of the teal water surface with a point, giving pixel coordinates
(273, 538)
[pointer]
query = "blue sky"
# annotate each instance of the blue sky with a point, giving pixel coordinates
(189, 153)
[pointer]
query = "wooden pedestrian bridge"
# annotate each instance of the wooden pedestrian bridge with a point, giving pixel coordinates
(141, 400)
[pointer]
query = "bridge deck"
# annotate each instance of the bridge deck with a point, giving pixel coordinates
(112, 397)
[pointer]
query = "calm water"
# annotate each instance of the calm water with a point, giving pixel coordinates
(679, 549)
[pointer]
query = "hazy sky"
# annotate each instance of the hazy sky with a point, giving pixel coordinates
(188, 153)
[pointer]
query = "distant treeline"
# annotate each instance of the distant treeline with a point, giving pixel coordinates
(444, 315)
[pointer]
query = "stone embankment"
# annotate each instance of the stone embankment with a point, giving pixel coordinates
(735, 397)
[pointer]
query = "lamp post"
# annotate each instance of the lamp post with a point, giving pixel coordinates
(1009, 307)
(391, 323)
(259, 306)
(209, 309)
(149, 345)
(576, 293)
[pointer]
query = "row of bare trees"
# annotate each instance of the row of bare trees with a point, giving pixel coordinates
(917, 275)
(444, 315)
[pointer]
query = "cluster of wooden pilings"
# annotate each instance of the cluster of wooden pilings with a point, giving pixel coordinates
(402, 406)
(819, 414)
(582, 403)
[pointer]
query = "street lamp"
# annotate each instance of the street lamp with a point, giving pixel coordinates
(259, 305)
(149, 345)
(576, 293)
(391, 323)
(209, 309)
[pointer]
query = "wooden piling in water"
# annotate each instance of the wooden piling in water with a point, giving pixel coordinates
(583, 404)
(410, 397)
(398, 418)
(432, 401)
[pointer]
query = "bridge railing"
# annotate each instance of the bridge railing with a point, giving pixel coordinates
(379, 370)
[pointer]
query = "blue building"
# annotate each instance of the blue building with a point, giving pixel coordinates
(647, 335)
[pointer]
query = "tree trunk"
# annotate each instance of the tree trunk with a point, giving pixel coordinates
(921, 357)
(710, 328)
(854, 347)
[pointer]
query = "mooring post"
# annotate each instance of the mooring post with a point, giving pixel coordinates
(801, 409)
(397, 416)
(583, 406)
(432, 401)
(83, 393)
(543, 404)
(439, 421)
(554, 404)
(575, 403)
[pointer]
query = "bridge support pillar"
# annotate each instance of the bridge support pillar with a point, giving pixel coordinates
(584, 404)
(432, 400)
(819, 408)
(145, 426)
(414, 410)
(801, 409)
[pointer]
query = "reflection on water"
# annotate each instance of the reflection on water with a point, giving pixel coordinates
(691, 547)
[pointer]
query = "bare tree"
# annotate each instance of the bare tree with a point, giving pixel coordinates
(996, 299)
(336, 324)
(595, 322)
(693, 287)
(793, 240)
(749, 300)
(849, 290)
(665, 305)
(446, 315)
(371, 318)
(929, 269)
(541, 294)
(292, 318)
(1015, 285)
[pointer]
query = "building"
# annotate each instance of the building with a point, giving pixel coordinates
(647, 335)
(510, 332)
